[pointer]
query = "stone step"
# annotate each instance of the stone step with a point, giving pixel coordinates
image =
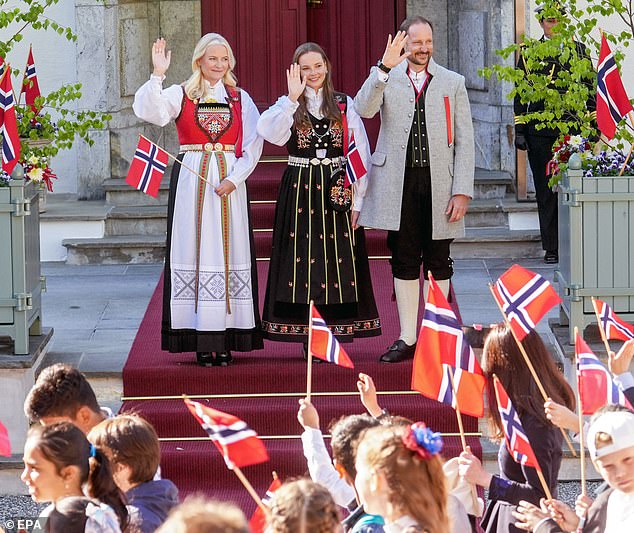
(492, 184)
(137, 220)
(119, 193)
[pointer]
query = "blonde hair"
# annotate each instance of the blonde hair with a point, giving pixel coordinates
(195, 85)
(199, 515)
(415, 485)
(303, 506)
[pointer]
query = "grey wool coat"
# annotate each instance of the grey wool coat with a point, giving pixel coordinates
(452, 164)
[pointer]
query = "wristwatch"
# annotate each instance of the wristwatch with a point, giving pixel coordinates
(382, 67)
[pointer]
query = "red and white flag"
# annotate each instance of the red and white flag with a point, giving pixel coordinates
(594, 382)
(612, 101)
(147, 167)
(323, 343)
(30, 87)
(614, 327)
(257, 524)
(5, 444)
(238, 443)
(355, 169)
(8, 123)
(525, 297)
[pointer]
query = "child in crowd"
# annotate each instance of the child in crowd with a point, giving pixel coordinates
(59, 462)
(77, 514)
(62, 393)
(400, 477)
(132, 446)
(303, 506)
(198, 515)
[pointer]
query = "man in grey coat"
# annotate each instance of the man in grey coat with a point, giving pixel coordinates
(422, 170)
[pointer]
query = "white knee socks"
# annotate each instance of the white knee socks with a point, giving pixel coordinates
(442, 283)
(407, 296)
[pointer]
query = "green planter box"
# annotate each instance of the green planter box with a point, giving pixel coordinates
(596, 247)
(20, 280)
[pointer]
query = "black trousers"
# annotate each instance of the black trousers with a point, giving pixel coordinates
(412, 245)
(540, 151)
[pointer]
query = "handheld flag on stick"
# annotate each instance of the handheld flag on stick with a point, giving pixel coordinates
(612, 101)
(516, 439)
(8, 123)
(5, 444)
(443, 354)
(355, 169)
(147, 168)
(30, 86)
(613, 327)
(323, 344)
(257, 523)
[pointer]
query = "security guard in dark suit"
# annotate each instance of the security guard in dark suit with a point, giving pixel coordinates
(539, 143)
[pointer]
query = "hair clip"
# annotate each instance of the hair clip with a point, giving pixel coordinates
(93, 451)
(422, 440)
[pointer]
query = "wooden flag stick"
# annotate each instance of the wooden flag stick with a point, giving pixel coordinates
(309, 370)
(629, 154)
(179, 162)
(251, 490)
(600, 324)
(530, 367)
(582, 451)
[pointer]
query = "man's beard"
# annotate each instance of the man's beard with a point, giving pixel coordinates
(422, 61)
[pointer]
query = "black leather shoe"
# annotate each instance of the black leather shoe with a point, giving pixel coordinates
(551, 257)
(223, 358)
(205, 359)
(399, 351)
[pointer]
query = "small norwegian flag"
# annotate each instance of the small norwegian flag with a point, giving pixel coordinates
(525, 297)
(5, 444)
(30, 86)
(257, 524)
(594, 382)
(147, 167)
(516, 439)
(355, 169)
(8, 123)
(237, 442)
(323, 343)
(614, 327)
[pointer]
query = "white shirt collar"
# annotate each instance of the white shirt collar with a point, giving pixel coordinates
(400, 525)
(216, 91)
(417, 75)
(314, 100)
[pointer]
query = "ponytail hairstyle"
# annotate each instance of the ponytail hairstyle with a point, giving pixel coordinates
(329, 107)
(195, 85)
(64, 444)
(303, 506)
(409, 459)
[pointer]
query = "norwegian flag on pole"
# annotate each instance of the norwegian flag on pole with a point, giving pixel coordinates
(614, 327)
(147, 167)
(525, 297)
(8, 123)
(257, 524)
(594, 382)
(30, 87)
(5, 444)
(441, 345)
(355, 169)
(237, 442)
(516, 440)
(612, 101)
(323, 343)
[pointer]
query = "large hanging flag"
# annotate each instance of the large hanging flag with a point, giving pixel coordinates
(30, 86)
(147, 167)
(355, 169)
(5, 444)
(8, 123)
(525, 297)
(323, 343)
(442, 349)
(594, 382)
(613, 326)
(238, 443)
(612, 101)
(257, 524)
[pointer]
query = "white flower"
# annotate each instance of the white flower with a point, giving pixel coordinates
(33, 160)
(576, 141)
(35, 174)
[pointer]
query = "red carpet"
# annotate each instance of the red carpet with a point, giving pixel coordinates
(196, 466)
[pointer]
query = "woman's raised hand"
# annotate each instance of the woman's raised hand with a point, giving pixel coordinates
(296, 84)
(160, 57)
(392, 55)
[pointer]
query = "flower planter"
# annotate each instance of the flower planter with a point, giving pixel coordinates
(20, 280)
(596, 247)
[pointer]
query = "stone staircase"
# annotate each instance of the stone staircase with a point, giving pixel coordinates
(497, 225)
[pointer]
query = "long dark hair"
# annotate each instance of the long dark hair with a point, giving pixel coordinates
(502, 357)
(329, 107)
(64, 444)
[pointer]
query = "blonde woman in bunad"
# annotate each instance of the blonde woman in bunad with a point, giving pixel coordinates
(210, 295)
(318, 249)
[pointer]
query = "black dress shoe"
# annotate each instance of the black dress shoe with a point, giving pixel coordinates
(399, 351)
(205, 359)
(551, 257)
(223, 358)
